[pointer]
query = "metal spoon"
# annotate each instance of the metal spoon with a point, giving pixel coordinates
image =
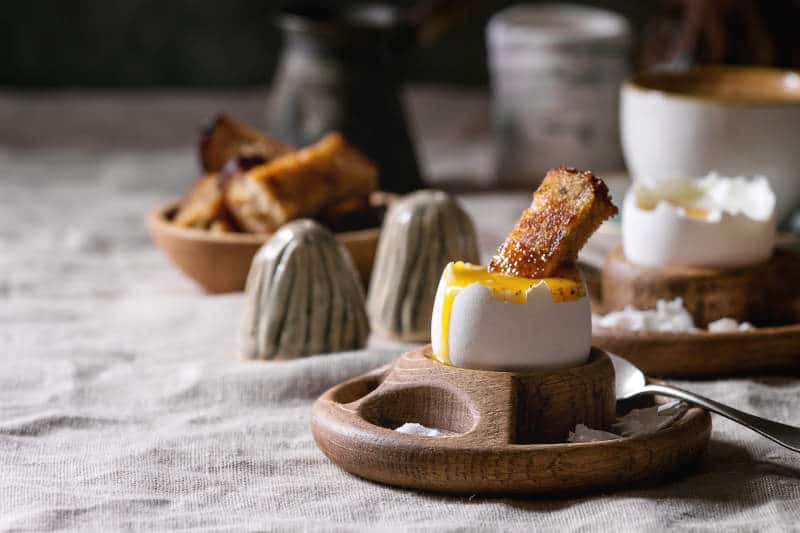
(631, 382)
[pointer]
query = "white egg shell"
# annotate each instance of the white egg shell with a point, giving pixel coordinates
(665, 236)
(486, 333)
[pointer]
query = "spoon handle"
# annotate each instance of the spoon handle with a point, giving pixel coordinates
(784, 434)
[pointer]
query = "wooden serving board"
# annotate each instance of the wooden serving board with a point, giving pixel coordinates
(485, 449)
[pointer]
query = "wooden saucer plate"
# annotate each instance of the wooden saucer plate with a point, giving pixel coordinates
(219, 262)
(353, 424)
(706, 355)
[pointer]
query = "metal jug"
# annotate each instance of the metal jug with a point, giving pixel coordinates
(341, 69)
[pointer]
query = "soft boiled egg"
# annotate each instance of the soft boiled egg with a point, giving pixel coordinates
(710, 222)
(490, 321)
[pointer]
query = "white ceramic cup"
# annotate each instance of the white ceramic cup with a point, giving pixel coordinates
(556, 71)
(737, 121)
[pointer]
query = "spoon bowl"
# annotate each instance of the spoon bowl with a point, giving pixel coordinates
(631, 382)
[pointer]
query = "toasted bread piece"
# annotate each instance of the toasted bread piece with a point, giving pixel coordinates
(299, 184)
(202, 205)
(227, 139)
(221, 226)
(567, 208)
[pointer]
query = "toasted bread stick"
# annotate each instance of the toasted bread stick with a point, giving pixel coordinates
(567, 208)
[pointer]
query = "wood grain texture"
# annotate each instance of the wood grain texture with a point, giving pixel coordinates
(219, 262)
(775, 348)
(708, 294)
(487, 449)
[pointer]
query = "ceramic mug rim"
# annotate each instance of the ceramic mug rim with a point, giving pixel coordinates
(505, 26)
(661, 82)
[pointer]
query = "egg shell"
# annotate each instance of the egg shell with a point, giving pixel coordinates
(664, 236)
(487, 333)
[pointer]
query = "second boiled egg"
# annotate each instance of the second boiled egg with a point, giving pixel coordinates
(710, 222)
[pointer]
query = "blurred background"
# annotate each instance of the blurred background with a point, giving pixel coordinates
(540, 95)
(207, 43)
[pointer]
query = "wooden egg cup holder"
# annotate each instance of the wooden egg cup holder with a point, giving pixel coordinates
(505, 431)
(766, 295)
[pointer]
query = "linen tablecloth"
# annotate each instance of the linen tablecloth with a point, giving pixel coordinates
(123, 404)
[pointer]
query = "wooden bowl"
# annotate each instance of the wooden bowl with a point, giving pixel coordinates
(505, 430)
(219, 262)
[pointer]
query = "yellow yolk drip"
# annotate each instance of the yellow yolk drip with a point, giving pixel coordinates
(684, 199)
(459, 275)
(696, 212)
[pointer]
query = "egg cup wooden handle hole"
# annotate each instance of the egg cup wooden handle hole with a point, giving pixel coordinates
(356, 389)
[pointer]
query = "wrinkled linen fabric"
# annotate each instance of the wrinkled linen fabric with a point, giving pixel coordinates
(123, 404)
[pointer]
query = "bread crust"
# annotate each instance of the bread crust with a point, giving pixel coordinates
(226, 139)
(567, 208)
(201, 205)
(299, 184)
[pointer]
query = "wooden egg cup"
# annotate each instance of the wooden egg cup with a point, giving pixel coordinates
(768, 295)
(505, 432)
(708, 293)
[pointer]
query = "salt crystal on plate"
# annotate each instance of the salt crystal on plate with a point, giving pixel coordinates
(669, 316)
(412, 428)
(584, 433)
(727, 325)
(637, 422)
(650, 419)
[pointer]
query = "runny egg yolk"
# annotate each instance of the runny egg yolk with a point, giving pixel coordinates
(511, 289)
(684, 198)
(689, 210)
(696, 212)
